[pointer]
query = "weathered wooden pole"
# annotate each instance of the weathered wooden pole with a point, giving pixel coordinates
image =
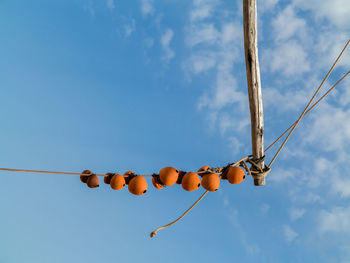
(253, 80)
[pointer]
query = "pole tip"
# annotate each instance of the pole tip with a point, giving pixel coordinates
(259, 181)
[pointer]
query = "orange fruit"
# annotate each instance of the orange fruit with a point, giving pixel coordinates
(137, 185)
(168, 175)
(191, 181)
(201, 170)
(210, 181)
(156, 184)
(117, 182)
(93, 181)
(107, 178)
(84, 178)
(181, 175)
(235, 175)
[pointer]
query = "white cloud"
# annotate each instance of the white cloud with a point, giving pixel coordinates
(265, 208)
(344, 98)
(231, 33)
(130, 28)
(336, 12)
(290, 58)
(280, 99)
(279, 175)
(226, 201)
(327, 47)
(296, 213)
(202, 34)
(266, 5)
(304, 45)
(147, 7)
(311, 198)
(330, 129)
(299, 39)
(322, 167)
(336, 220)
(149, 42)
(165, 41)
(224, 92)
(89, 7)
(216, 45)
(341, 186)
(287, 25)
(110, 4)
(289, 233)
(235, 144)
(251, 248)
(302, 195)
(202, 61)
(225, 123)
(203, 9)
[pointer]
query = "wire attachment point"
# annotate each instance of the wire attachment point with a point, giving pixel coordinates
(255, 170)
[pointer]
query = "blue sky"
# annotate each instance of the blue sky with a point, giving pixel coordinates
(116, 85)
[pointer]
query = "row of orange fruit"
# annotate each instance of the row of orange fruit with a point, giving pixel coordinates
(167, 176)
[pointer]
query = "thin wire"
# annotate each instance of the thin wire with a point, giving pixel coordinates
(324, 95)
(51, 172)
(308, 105)
(154, 233)
(70, 173)
(55, 172)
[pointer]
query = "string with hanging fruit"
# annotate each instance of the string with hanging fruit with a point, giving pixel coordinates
(208, 178)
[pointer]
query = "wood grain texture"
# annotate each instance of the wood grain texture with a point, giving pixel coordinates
(253, 81)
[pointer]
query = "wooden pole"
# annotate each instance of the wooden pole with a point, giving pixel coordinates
(253, 81)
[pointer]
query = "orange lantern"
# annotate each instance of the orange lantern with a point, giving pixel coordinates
(156, 183)
(117, 182)
(168, 175)
(137, 185)
(235, 175)
(93, 181)
(210, 182)
(191, 181)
